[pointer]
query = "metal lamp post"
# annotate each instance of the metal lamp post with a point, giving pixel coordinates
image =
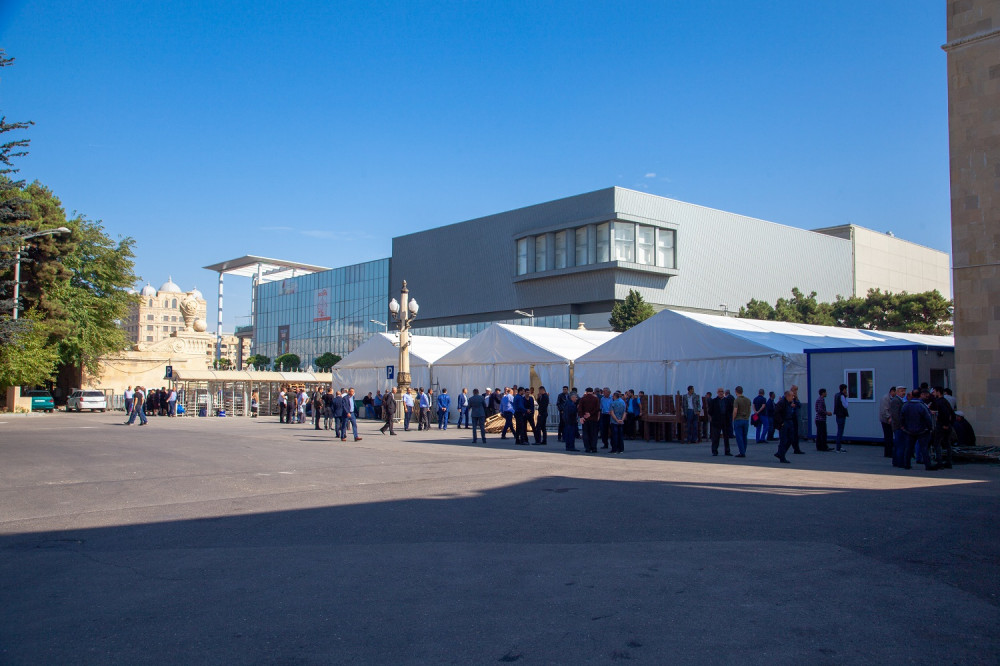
(17, 261)
(404, 312)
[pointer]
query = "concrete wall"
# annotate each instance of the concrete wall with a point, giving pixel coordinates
(974, 130)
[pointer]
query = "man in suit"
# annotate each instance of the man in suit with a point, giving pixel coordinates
(389, 411)
(462, 404)
(541, 416)
(443, 404)
(840, 413)
(560, 407)
(477, 412)
(349, 417)
(720, 417)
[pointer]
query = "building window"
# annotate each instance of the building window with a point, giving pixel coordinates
(625, 241)
(522, 256)
(644, 244)
(149, 328)
(561, 249)
(173, 328)
(151, 302)
(166, 317)
(665, 256)
(166, 329)
(173, 303)
(582, 258)
(540, 253)
(149, 317)
(149, 338)
(860, 384)
(603, 242)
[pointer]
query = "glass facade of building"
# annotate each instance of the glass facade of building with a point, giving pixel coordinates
(615, 240)
(469, 330)
(322, 312)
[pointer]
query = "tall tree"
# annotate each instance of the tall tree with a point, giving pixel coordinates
(633, 310)
(326, 361)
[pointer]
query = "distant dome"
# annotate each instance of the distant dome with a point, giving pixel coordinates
(148, 290)
(197, 294)
(169, 287)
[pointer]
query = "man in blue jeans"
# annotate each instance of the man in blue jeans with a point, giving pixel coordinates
(741, 421)
(507, 410)
(692, 410)
(462, 404)
(138, 406)
(840, 413)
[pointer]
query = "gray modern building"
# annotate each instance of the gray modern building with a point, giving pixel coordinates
(566, 262)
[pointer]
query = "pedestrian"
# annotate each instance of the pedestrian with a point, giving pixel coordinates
(821, 413)
(477, 413)
(462, 405)
(571, 417)
(741, 421)
(340, 414)
(317, 407)
(560, 407)
(943, 427)
(367, 403)
(301, 400)
(328, 410)
(129, 393)
(520, 418)
(349, 416)
(377, 405)
(840, 413)
(918, 425)
(172, 402)
(407, 409)
(282, 404)
(900, 441)
(254, 404)
(431, 406)
(759, 417)
(795, 424)
(885, 420)
(541, 416)
(389, 411)
(692, 412)
(719, 419)
(705, 419)
(616, 414)
(785, 416)
(443, 404)
(422, 405)
(589, 409)
(769, 413)
(507, 410)
(138, 407)
(605, 417)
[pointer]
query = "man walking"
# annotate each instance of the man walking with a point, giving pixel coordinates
(570, 423)
(719, 421)
(760, 411)
(389, 411)
(128, 399)
(692, 412)
(423, 404)
(407, 410)
(520, 418)
(605, 417)
(741, 421)
(617, 416)
(560, 407)
(282, 405)
(917, 424)
(786, 416)
(477, 412)
(840, 413)
(507, 410)
(349, 416)
(138, 407)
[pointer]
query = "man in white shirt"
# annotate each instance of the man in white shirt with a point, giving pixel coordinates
(407, 409)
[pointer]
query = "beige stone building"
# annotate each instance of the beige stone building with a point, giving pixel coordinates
(882, 261)
(973, 50)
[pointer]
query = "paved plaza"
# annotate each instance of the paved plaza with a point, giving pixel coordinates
(216, 541)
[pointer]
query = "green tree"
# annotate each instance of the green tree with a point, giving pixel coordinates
(326, 361)
(28, 360)
(222, 364)
(287, 361)
(258, 361)
(928, 312)
(633, 310)
(78, 282)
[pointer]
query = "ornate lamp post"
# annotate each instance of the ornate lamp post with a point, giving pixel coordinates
(403, 312)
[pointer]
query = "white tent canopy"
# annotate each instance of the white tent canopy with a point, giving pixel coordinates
(365, 367)
(673, 349)
(505, 354)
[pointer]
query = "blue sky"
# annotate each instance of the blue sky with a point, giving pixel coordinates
(317, 131)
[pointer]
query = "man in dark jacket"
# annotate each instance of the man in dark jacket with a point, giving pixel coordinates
(389, 411)
(560, 407)
(477, 414)
(917, 424)
(943, 427)
(589, 409)
(720, 416)
(541, 416)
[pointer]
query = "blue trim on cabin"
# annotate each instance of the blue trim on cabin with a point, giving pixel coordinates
(916, 371)
(903, 347)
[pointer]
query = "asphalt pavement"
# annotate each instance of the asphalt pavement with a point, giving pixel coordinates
(245, 541)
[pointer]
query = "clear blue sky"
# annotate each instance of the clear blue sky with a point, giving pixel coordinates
(317, 131)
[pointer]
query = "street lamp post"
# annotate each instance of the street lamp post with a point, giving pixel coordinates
(17, 261)
(404, 312)
(529, 315)
(384, 325)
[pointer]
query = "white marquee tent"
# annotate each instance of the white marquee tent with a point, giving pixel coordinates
(365, 367)
(505, 354)
(673, 349)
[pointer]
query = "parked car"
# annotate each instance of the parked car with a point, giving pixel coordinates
(41, 401)
(81, 400)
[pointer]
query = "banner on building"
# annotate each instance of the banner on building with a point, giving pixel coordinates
(283, 339)
(288, 287)
(322, 311)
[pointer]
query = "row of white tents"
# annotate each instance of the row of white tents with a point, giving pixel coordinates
(662, 355)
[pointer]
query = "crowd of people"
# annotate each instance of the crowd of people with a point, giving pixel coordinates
(142, 403)
(917, 425)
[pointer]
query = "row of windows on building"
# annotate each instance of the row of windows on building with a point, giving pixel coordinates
(150, 317)
(596, 244)
(471, 329)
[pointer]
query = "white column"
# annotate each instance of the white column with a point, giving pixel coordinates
(218, 327)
